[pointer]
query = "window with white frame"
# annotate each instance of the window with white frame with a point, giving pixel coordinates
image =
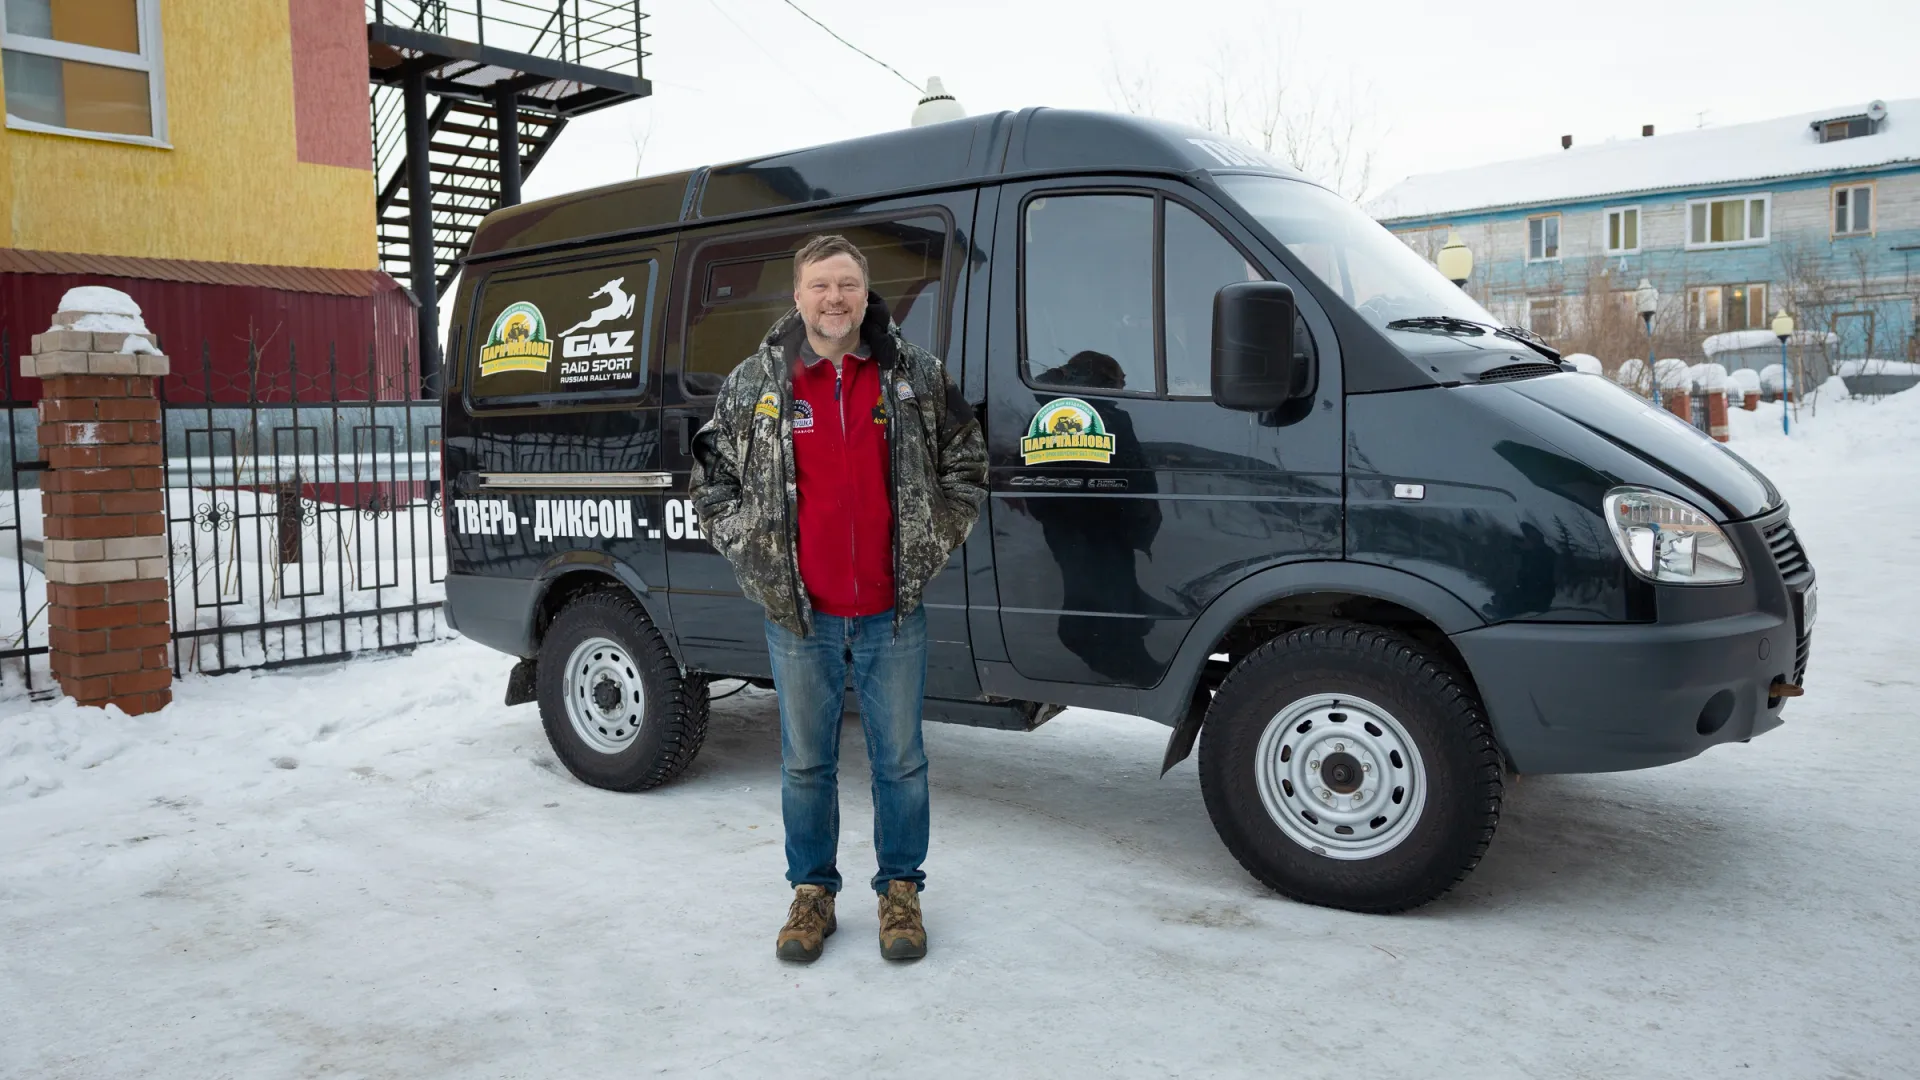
(1713, 308)
(1543, 237)
(1853, 210)
(1543, 317)
(1623, 230)
(86, 67)
(1725, 222)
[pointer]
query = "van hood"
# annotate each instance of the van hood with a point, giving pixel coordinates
(1657, 437)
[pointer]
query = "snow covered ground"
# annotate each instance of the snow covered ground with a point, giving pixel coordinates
(376, 870)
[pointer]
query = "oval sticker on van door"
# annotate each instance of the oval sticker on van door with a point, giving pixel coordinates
(1066, 429)
(517, 341)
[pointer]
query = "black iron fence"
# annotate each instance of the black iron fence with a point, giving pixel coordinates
(303, 509)
(23, 580)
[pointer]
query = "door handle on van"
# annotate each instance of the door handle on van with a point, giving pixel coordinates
(689, 422)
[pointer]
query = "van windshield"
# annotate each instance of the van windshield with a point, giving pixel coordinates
(1371, 269)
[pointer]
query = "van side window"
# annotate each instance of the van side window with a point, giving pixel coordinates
(1088, 292)
(541, 335)
(742, 288)
(1199, 262)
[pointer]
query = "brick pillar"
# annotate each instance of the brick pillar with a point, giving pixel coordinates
(105, 507)
(1680, 404)
(1717, 415)
(1750, 400)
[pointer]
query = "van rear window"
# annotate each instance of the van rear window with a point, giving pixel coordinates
(542, 334)
(745, 287)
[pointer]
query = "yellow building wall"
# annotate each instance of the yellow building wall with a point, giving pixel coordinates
(231, 189)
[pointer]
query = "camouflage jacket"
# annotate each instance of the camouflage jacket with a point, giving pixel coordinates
(743, 475)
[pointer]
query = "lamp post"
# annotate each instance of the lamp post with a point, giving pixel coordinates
(1456, 260)
(1783, 329)
(1646, 301)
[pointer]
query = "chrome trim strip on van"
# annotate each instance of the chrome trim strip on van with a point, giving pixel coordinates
(550, 480)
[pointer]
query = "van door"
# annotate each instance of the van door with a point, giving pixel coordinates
(1123, 500)
(734, 288)
(556, 462)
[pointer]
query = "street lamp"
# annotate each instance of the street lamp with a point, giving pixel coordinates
(1646, 301)
(1783, 329)
(1456, 260)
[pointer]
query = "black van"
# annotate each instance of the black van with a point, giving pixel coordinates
(1258, 472)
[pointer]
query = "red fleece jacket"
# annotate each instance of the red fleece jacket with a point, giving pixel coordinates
(840, 459)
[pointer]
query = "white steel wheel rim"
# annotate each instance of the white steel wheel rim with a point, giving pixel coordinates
(1341, 776)
(605, 699)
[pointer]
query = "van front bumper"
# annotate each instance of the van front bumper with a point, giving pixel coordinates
(1567, 698)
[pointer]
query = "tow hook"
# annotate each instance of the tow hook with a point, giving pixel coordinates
(1781, 688)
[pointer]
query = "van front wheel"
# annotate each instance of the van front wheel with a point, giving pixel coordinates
(618, 711)
(1344, 766)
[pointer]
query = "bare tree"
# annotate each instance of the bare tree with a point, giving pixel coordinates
(639, 137)
(1247, 89)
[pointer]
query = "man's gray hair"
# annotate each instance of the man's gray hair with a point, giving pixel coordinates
(826, 247)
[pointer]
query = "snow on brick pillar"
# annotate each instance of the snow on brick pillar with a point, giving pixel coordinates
(104, 502)
(1717, 415)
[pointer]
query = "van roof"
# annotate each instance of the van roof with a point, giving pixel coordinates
(1031, 141)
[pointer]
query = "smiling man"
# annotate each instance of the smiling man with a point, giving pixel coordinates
(839, 472)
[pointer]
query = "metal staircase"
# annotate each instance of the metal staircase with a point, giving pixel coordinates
(468, 96)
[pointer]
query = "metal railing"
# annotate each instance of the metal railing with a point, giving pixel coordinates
(23, 579)
(304, 514)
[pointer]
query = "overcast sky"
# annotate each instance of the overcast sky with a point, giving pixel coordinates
(1448, 86)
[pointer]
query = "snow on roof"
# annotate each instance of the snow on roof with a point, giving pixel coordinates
(1767, 149)
(1741, 340)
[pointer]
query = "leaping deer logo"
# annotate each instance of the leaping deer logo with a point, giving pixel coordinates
(618, 306)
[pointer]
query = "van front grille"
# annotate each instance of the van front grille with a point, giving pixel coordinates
(1518, 371)
(1788, 555)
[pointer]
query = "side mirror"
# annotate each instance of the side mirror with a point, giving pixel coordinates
(1253, 357)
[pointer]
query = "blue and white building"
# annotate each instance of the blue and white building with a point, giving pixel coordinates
(1817, 214)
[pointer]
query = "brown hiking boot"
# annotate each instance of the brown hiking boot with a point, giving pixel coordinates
(902, 935)
(809, 923)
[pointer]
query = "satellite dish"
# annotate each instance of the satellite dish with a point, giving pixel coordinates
(1877, 111)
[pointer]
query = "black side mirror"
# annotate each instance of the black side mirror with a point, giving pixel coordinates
(1253, 361)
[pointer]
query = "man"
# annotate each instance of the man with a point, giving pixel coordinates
(840, 470)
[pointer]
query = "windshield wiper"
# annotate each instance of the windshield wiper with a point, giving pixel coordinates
(1438, 322)
(1531, 340)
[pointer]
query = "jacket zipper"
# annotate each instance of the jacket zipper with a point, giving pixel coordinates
(853, 530)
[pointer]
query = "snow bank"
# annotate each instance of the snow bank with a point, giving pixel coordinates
(45, 748)
(101, 310)
(1584, 363)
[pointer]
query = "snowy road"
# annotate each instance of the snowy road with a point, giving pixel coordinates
(376, 870)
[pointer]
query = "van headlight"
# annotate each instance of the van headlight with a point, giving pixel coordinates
(1668, 540)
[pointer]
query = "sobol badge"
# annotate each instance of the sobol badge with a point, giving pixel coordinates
(1066, 429)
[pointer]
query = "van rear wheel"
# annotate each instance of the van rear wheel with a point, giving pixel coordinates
(617, 710)
(1345, 766)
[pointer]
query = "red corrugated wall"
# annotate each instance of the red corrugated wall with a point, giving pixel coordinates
(210, 331)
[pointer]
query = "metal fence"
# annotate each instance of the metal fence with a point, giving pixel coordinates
(304, 513)
(23, 581)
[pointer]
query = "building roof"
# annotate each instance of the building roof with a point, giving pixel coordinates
(1704, 157)
(300, 279)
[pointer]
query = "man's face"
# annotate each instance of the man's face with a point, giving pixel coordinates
(831, 296)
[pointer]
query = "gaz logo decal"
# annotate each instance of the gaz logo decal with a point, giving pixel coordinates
(1066, 429)
(517, 342)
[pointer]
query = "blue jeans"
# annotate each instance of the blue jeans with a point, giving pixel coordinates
(890, 675)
